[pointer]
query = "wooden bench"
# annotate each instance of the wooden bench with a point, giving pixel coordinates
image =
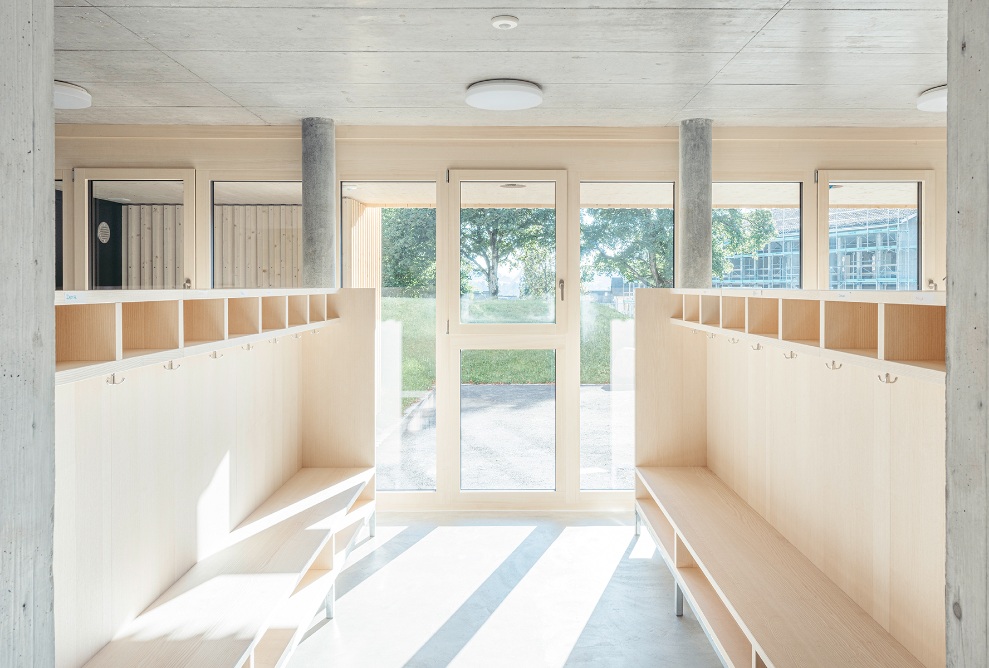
(760, 600)
(250, 602)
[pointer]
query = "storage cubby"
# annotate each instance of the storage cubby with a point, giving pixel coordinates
(711, 310)
(243, 316)
(274, 313)
(298, 310)
(914, 334)
(85, 334)
(691, 308)
(801, 321)
(763, 316)
(852, 327)
(317, 308)
(733, 313)
(203, 321)
(149, 327)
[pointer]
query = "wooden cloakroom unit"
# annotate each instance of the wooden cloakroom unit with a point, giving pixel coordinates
(796, 470)
(211, 477)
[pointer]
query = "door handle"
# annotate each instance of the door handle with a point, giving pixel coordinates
(563, 286)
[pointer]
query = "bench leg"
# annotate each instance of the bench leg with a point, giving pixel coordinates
(677, 599)
(331, 601)
(372, 524)
(638, 524)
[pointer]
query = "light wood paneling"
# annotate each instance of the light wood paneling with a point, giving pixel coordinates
(85, 333)
(153, 245)
(852, 326)
(914, 333)
(801, 321)
(150, 326)
(257, 245)
(763, 316)
(203, 320)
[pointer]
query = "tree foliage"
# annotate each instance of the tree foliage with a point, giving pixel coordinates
(408, 251)
(738, 232)
(636, 244)
(518, 238)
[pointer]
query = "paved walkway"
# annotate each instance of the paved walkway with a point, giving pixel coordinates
(508, 437)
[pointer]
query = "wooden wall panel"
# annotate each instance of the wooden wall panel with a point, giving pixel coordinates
(151, 256)
(670, 429)
(257, 246)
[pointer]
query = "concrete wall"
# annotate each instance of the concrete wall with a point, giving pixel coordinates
(27, 333)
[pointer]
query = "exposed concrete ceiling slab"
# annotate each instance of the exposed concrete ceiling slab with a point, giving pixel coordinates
(408, 62)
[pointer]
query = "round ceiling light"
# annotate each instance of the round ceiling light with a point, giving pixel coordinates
(505, 22)
(934, 99)
(70, 96)
(504, 95)
(513, 186)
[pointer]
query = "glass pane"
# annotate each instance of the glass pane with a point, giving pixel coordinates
(136, 234)
(874, 236)
(58, 236)
(626, 242)
(257, 234)
(508, 419)
(508, 252)
(756, 235)
(393, 246)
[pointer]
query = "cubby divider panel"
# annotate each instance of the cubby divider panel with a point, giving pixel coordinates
(801, 321)
(298, 310)
(691, 308)
(733, 313)
(203, 321)
(317, 308)
(274, 313)
(150, 327)
(764, 316)
(711, 310)
(914, 334)
(85, 334)
(243, 316)
(852, 327)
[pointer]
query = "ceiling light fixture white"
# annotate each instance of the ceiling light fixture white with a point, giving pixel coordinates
(504, 95)
(513, 186)
(71, 96)
(934, 99)
(505, 22)
(349, 187)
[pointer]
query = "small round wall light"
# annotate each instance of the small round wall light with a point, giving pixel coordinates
(71, 96)
(934, 99)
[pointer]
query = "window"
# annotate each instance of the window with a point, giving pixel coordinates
(257, 234)
(756, 235)
(626, 242)
(874, 235)
(136, 232)
(391, 232)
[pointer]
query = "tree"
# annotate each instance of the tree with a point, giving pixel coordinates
(408, 250)
(637, 244)
(491, 237)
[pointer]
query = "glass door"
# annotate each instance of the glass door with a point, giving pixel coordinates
(507, 326)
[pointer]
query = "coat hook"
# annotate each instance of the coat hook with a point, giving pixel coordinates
(298, 335)
(274, 340)
(112, 380)
(757, 346)
(834, 365)
(315, 332)
(791, 356)
(732, 340)
(888, 379)
(248, 347)
(710, 335)
(172, 366)
(215, 355)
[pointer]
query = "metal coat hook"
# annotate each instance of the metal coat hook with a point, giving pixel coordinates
(693, 331)
(215, 355)
(791, 356)
(733, 340)
(298, 335)
(112, 380)
(172, 366)
(248, 347)
(274, 341)
(710, 335)
(888, 379)
(833, 365)
(315, 332)
(757, 346)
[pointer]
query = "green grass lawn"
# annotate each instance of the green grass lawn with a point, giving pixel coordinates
(418, 318)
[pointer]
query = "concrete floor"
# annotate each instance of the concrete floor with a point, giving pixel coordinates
(508, 590)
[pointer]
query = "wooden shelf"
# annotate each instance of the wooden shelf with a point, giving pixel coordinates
(298, 310)
(691, 308)
(851, 326)
(763, 316)
(801, 321)
(85, 334)
(271, 553)
(274, 313)
(203, 321)
(243, 316)
(914, 334)
(733, 313)
(317, 308)
(711, 310)
(749, 578)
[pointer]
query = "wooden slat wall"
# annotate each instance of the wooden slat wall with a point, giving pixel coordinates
(848, 469)
(364, 223)
(257, 246)
(152, 246)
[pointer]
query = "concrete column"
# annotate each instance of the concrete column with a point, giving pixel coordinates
(320, 230)
(27, 333)
(693, 221)
(967, 385)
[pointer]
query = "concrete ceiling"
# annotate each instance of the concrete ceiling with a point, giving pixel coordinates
(407, 62)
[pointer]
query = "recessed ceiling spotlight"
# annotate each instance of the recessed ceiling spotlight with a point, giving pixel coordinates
(349, 187)
(71, 96)
(934, 99)
(504, 95)
(513, 186)
(505, 22)
(120, 200)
